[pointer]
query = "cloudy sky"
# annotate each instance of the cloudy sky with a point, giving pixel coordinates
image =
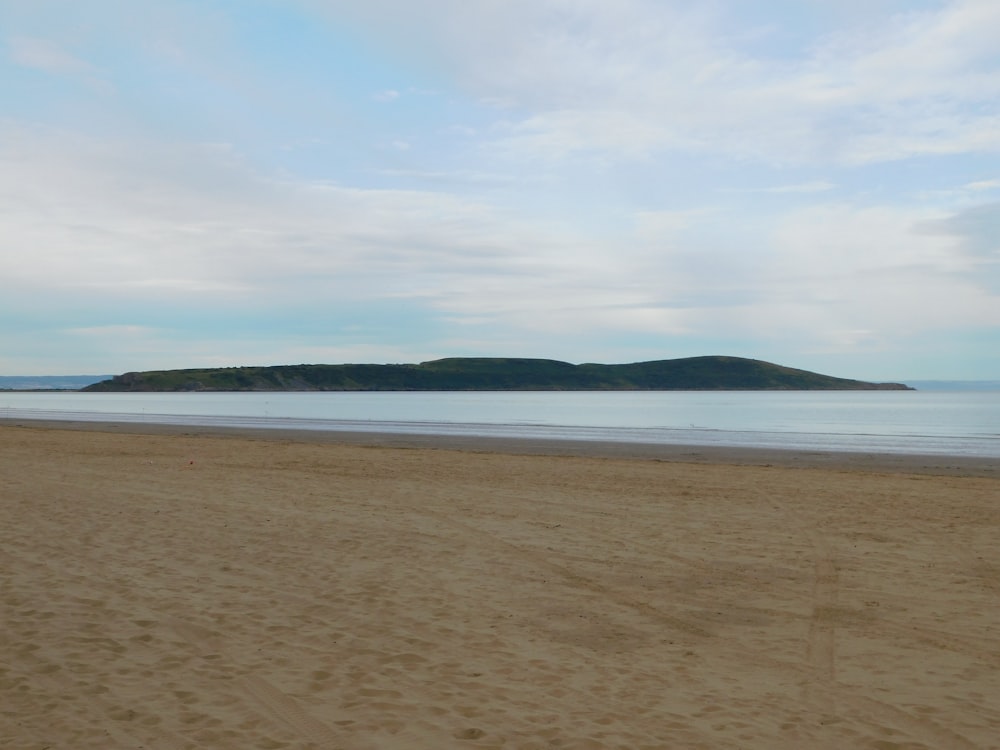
(191, 183)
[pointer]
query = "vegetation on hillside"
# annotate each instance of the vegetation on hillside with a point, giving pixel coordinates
(494, 374)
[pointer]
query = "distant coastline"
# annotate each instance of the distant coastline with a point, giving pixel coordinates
(956, 385)
(48, 382)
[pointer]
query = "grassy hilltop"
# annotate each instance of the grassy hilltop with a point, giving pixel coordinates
(494, 374)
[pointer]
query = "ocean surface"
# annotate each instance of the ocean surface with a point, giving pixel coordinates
(938, 422)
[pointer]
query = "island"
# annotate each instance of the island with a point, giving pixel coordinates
(709, 373)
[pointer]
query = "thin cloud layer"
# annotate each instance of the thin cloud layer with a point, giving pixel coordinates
(639, 76)
(327, 181)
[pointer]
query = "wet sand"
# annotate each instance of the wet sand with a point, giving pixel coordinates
(194, 588)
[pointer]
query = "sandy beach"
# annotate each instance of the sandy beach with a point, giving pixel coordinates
(181, 588)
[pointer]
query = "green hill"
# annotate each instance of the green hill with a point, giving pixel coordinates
(494, 374)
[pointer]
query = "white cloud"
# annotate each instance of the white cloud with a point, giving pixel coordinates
(198, 228)
(665, 225)
(582, 201)
(44, 54)
(111, 331)
(558, 134)
(877, 268)
(137, 222)
(636, 76)
(463, 177)
(815, 186)
(976, 232)
(981, 185)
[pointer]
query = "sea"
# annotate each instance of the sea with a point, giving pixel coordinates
(936, 421)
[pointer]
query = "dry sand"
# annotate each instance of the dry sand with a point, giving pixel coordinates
(169, 591)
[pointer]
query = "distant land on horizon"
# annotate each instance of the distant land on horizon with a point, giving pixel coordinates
(494, 374)
(955, 385)
(48, 382)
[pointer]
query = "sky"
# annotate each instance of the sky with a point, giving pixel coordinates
(201, 183)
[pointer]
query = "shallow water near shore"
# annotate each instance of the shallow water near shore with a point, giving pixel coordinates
(940, 423)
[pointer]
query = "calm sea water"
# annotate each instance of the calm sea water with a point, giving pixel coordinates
(932, 422)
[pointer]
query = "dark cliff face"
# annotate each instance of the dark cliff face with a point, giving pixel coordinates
(470, 374)
(129, 381)
(140, 382)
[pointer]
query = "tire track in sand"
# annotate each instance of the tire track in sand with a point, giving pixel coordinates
(571, 576)
(817, 669)
(821, 641)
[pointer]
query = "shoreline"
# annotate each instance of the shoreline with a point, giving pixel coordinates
(905, 463)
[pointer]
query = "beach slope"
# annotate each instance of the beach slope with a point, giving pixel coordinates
(202, 591)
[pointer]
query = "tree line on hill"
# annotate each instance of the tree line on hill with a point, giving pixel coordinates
(494, 374)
